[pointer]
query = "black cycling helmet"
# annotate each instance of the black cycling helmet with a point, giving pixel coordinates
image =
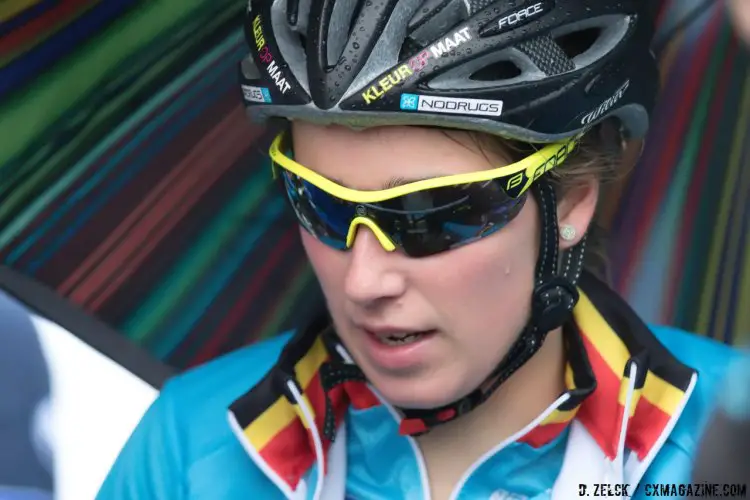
(535, 71)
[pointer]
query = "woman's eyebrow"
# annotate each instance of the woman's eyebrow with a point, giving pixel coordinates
(390, 183)
(400, 181)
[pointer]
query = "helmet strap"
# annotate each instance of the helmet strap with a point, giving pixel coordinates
(554, 297)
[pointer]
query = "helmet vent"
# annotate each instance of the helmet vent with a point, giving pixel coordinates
(477, 5)
(343, 14)
(355, 15)
(302, 39)
(409, 48)
(497, 71)
(578, 42)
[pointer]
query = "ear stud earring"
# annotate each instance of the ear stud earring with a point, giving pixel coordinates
(567, 232)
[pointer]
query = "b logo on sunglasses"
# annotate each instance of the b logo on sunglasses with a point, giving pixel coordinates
(360, 211)
(516, 185)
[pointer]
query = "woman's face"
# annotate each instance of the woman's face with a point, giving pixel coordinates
(474, 299)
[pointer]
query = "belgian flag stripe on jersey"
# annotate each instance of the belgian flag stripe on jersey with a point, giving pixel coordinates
(280, 434)
(270, 424)
(557, 421)
(653, 405)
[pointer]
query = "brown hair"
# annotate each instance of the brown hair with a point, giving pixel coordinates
(600, 154)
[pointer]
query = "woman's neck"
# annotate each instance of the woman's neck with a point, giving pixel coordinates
(451, 448)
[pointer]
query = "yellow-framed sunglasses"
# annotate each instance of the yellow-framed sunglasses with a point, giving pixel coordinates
(422, 218)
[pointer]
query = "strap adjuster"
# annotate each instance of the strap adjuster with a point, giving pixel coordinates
(552, 303)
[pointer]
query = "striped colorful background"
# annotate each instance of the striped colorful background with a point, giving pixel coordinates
(133, 186)
(682, 244)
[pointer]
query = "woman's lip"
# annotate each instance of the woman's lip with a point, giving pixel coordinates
(389, 331)
(397, 334)
(396, 357)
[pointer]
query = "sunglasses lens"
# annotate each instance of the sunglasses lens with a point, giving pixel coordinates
(324, 216)
(436, 220)
(421, 223)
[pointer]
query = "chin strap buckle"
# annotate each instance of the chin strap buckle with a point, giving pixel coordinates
(418, 422)
(552, 303)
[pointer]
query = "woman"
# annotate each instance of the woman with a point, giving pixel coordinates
(448, 159)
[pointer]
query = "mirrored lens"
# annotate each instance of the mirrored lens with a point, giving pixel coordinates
(322, 215)
(437, 220)
(421, 223)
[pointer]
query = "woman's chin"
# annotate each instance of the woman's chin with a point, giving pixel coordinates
(414, 394)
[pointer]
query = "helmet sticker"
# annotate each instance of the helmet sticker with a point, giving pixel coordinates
(395, 77)
(453, 105)
(253, 93)
(606, 105)
(450, 42)
(264, 53)
(517, 17)
(404, 72)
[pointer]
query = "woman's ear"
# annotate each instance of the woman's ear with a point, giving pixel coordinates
(575, 211)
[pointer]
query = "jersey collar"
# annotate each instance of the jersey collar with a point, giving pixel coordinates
(280, 421)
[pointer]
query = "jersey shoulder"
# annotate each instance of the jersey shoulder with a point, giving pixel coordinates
(208, 390)
(185, 439)
(712, 360)
(227, 377)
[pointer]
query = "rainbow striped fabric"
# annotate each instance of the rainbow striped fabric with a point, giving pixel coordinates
(133, 186)
(682, 245)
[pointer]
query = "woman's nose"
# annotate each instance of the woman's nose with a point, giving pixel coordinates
(372, 274)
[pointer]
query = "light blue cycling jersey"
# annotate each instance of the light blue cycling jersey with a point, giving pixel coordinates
(251, 424)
